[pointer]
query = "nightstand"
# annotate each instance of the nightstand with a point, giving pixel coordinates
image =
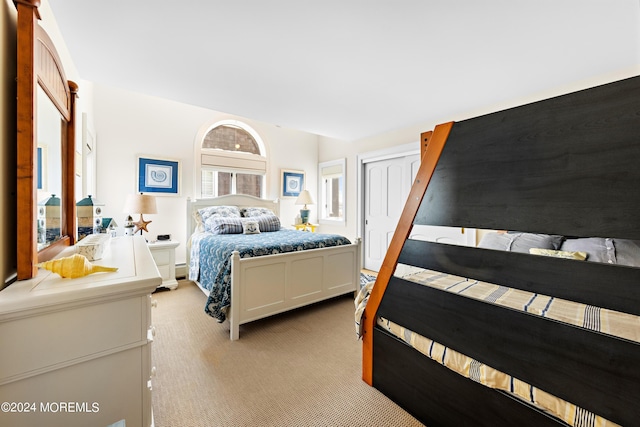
(306, 227)
(164, 255)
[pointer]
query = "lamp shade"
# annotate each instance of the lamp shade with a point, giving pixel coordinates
(304, 198)
(140, 204)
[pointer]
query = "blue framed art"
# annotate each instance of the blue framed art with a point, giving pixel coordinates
(292, 183)
(158, 176)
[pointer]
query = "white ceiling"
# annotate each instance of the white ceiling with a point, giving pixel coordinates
(348, 68)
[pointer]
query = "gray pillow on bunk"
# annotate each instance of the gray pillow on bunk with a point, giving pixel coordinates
(627, 252)
(610, 251)
(520, 242)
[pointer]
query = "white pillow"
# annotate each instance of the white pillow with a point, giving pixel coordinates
(250, 227)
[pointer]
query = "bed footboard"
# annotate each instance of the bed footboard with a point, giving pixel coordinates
(272, 284)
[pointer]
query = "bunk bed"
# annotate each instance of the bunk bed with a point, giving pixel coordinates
(565, 167)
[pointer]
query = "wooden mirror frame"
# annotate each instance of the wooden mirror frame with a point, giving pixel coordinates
(39, 64)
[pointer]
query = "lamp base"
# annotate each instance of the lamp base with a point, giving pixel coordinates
(304, 214)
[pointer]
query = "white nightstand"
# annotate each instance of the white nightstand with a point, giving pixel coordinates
(164, 254)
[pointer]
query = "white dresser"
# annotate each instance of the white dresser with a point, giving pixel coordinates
(77, 352)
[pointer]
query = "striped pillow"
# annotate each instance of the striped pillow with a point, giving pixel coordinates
(267, 222)
(227, 225)
(223, 225)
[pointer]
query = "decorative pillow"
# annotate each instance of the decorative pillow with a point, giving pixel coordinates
(610, 251)
(218, 212)
(598, 249)
(267, 222)
(199, 223)
(581, 256)
(250, 227)
(255, 211)
(520, 242)
(231, 225)
(223, 225)
(627, 252)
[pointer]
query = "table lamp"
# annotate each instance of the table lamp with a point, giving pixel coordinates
(140, 204)
(304, 198)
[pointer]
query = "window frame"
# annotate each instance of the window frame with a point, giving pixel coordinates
(220, 160)
(322, 193)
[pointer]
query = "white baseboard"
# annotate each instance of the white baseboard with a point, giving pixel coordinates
(181, 271)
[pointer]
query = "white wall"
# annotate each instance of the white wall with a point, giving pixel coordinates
(128, 124)
(332, 149)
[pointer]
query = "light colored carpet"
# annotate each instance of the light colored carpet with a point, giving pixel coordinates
(301, 368)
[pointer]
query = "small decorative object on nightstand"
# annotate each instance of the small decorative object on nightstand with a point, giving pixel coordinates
(164, 254)
(306, 227)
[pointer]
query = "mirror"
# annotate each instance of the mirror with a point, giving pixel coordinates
(48, 171)
(45, 146)
(332, 192)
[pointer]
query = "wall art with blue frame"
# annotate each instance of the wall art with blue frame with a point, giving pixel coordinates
(158, 176)
(292, 183)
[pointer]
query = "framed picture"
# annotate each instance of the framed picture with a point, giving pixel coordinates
(158, 176)
(292, 183)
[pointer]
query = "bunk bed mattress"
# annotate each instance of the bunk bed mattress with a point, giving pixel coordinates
(211, 258)
(590, 317)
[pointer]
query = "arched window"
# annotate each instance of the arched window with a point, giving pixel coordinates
(232, 160)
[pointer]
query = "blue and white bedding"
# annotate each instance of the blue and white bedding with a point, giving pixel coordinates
(210, 261)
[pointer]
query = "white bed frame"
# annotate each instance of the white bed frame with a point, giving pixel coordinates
(272, 284)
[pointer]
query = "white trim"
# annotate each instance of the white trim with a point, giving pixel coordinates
(328, 221)
(389, 153)
(259, 162)
(397, 151)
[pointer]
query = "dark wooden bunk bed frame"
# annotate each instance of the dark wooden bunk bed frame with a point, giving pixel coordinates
(566, 165)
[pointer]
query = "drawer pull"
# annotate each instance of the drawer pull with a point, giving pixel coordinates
(151, 333)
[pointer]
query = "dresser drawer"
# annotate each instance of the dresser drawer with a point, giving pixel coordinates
(84, 332)
(113, 388)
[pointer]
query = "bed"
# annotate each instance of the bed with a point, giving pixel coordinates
(250, 276)
(448, 343)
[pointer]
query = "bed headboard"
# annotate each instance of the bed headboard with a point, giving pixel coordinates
(239, 200)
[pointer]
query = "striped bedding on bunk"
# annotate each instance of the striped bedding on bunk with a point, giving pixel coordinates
(593, 318)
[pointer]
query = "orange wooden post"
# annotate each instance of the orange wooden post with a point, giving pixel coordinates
(434, 142)
(424, 143)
